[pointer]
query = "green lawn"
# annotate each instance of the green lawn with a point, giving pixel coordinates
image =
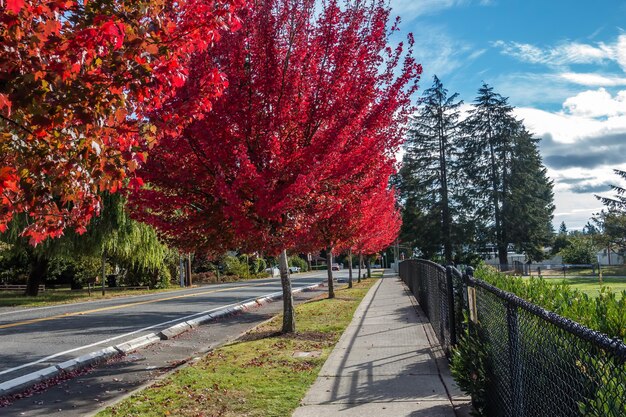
(262, 375)
(612, 270)
(592, 285)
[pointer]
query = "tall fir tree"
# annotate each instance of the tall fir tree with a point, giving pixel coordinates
(507, 181)
(617, 202)
(528, 204)
(485, 159)
(611, 223)
(426, 176)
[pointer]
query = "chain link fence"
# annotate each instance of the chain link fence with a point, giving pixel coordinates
(537, 362)
(435, 288)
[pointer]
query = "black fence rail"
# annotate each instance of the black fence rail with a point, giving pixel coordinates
(537, 362)
(548, 270)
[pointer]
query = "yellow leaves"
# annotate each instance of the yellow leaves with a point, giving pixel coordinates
(45, 85)
(120, 115)
(132, 165)
(152, 48)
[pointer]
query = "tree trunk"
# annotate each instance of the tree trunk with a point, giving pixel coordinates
(368, 266)
(289, 314)
(500, 234)
(36, 276)
(154, 278)
(331, 284)
(358, 279)
(349, 268)
(181, 270)
(503, 257)
(104, 276)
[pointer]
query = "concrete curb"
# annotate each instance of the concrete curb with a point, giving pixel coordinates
(137, 343)
(18, 384)
(24, 381)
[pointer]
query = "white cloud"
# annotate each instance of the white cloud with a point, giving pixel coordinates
(561, 127)
(416, 8)
(620, 51)
(581, 146)
(442, 55)
(567, 53)
(593, 80)
(528, 89)
(596, 103)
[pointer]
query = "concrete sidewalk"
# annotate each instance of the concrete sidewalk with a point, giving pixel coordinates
(387, 363)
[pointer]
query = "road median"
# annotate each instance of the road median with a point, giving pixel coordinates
(44, 377)
(264, 373)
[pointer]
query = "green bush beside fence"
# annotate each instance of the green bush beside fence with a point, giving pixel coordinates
(606, 313)
(545, 370)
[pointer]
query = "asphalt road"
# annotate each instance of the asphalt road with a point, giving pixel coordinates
(34, 338)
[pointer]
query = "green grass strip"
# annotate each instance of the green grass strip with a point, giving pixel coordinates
(261, 375)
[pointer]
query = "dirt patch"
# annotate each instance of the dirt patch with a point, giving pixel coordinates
(258, 335)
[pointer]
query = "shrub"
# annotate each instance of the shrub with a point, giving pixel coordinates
(258, 265)
(299, 262)
(234, 266)
(579, 251)
(606, 313)
(73, 271)
(474, 354)
(468, 367)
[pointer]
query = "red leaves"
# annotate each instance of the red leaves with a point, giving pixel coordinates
(5, 103)
(15, 5)
(113, 32)
(8, 180)
(299, 141)
(80, 78)
(135, 183)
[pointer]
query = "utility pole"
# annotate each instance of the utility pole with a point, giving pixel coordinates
(181, 270)
(189, 269)
(396, 255)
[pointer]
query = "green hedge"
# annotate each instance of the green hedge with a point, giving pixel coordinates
(605, 313)
(298, 261)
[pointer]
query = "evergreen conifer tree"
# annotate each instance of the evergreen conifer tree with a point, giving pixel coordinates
(487, 148)
(427, 175)
(617, 202)
(507, 182)
(529, 202)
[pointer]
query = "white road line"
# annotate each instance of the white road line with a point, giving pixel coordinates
(18, 310)
(6, 371)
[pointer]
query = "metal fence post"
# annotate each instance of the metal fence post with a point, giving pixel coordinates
(451, 309)
(515, 365)
(471, 295)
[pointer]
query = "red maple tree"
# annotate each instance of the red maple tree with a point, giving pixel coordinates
(359, 204)
(315, 95)
(86, 88)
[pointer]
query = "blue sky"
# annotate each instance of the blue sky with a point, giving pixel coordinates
(561, 63)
